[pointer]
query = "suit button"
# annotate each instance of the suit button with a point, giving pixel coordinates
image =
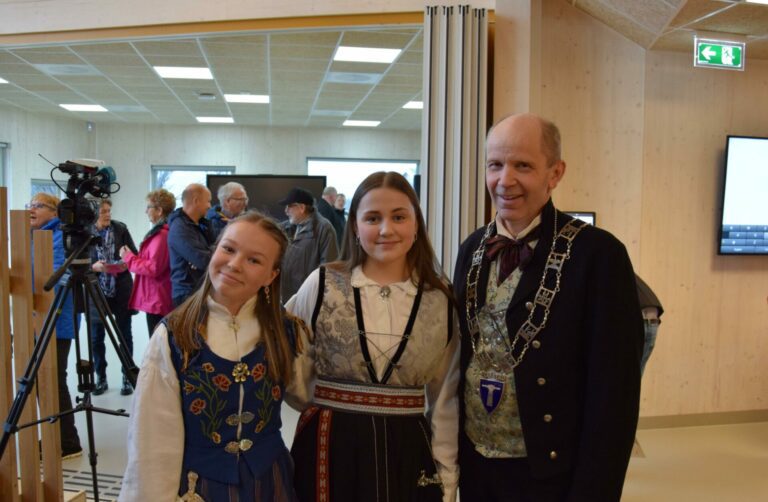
(541, 381)
(553, 455)
(535, 344)
(547, 418)
(529, 305)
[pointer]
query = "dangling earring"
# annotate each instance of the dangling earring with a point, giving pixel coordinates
(266, 294)
(357, 239)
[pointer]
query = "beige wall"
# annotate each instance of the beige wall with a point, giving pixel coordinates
(644, 134)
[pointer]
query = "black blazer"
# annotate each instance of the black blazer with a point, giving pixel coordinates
(588, 358)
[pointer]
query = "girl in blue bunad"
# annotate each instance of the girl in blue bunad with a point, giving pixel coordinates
(205, 421)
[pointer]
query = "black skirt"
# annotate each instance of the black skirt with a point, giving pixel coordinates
(341, 456)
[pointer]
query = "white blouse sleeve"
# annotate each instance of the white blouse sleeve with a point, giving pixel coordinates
(302, 387)
(443, 415)
(155, 429)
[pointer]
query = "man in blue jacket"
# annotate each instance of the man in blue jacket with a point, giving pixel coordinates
(233, 201)
(189, 242)
(43, 216)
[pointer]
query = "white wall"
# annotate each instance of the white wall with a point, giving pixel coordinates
(133, 149)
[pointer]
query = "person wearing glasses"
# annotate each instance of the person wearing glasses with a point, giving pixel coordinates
(116, 283)
(151, 266)
(233, 201)
(43, 216)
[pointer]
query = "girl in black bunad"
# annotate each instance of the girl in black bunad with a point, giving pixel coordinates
(378, 377)
(205, 420)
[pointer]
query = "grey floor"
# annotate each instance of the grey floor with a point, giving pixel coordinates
(709, 463)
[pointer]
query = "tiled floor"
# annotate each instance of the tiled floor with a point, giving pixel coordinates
(724, 463)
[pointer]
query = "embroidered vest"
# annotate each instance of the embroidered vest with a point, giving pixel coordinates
(337, 343)
(210, 404)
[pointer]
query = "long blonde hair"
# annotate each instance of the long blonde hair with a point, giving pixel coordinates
(191, 317)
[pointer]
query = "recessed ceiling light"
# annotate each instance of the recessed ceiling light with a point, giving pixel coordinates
(84, 108)
(216, 120)
(184, 72)
(366, 54)
(3, 81)
(362, 123)
(414, 105)
(246, 98)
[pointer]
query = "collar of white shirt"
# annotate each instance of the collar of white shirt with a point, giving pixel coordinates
(502, 230)
(360, 280)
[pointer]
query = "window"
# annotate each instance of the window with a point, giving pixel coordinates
(176, 178)
(3, 163)
(47, 186)
(346, 174)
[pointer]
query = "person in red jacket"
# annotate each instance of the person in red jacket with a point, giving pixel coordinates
(152, 286)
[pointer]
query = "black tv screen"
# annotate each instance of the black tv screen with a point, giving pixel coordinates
(744, 222)
(585, 216)
(265, 190)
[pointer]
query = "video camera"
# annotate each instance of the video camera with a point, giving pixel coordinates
(76, 211)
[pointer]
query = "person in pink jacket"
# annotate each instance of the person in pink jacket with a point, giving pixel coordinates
(151, 267)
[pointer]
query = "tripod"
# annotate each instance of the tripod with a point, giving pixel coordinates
(74, 276)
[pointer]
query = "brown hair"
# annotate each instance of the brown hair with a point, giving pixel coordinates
(163, 199)
(421, 259)
(191, 317)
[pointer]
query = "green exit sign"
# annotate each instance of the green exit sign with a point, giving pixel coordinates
(718, 54)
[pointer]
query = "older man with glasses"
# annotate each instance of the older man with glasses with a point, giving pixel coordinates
(43, 216)
(233, 201)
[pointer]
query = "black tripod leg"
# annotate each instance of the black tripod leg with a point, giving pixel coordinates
(94, 292)
(26, 382)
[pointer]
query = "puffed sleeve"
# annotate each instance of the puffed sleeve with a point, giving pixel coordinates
(155, 429)
(302, 387)
(443, 415)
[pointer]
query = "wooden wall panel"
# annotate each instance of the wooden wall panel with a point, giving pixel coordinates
(711, 352)
(592, 88)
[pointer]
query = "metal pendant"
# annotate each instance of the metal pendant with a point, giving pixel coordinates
(491, 391)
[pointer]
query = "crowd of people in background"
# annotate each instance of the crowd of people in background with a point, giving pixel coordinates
(519, 381)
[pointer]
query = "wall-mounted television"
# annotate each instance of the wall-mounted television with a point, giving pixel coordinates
(265, 190)
(744, 222)
(585, 216)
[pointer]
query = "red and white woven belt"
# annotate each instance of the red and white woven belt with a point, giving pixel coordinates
(370, 398)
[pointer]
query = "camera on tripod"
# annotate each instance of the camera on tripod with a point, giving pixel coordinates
(76, 211)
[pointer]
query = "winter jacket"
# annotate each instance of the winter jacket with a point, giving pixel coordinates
(152, 269)
(218, 220)
(189, 246)
(313, 243)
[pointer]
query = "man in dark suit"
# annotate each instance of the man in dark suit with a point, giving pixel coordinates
(551, 337)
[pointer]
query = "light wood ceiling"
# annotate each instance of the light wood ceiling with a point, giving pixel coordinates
(306, 87)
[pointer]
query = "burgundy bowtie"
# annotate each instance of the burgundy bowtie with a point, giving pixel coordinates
(511, 252)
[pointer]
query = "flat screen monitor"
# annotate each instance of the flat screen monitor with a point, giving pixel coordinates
(585, 216)
(744, 222)
(265, 190)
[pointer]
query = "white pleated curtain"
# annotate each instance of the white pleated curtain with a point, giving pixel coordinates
(453, 128)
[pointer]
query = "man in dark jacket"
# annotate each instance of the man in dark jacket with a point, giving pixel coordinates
(189, 242)
(551, 337)
(233, 201)
(326, 206)
(116, 283)
(312, 241)
(650, 305)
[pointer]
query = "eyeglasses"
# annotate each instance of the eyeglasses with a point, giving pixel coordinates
(38, 205)
(239, 199)
(150, 206)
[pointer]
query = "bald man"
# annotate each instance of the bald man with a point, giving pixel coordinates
(551, 337)
(190, 241)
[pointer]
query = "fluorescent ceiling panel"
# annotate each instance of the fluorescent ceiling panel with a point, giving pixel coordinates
(215, 120)
(763, 2)
(246, 98)
(84, 108)
(340, 77)
(67, 70)
(366, 54)
(184, 72)
(362, 123)
(414, 105)
(332, 113)
(3, 81)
